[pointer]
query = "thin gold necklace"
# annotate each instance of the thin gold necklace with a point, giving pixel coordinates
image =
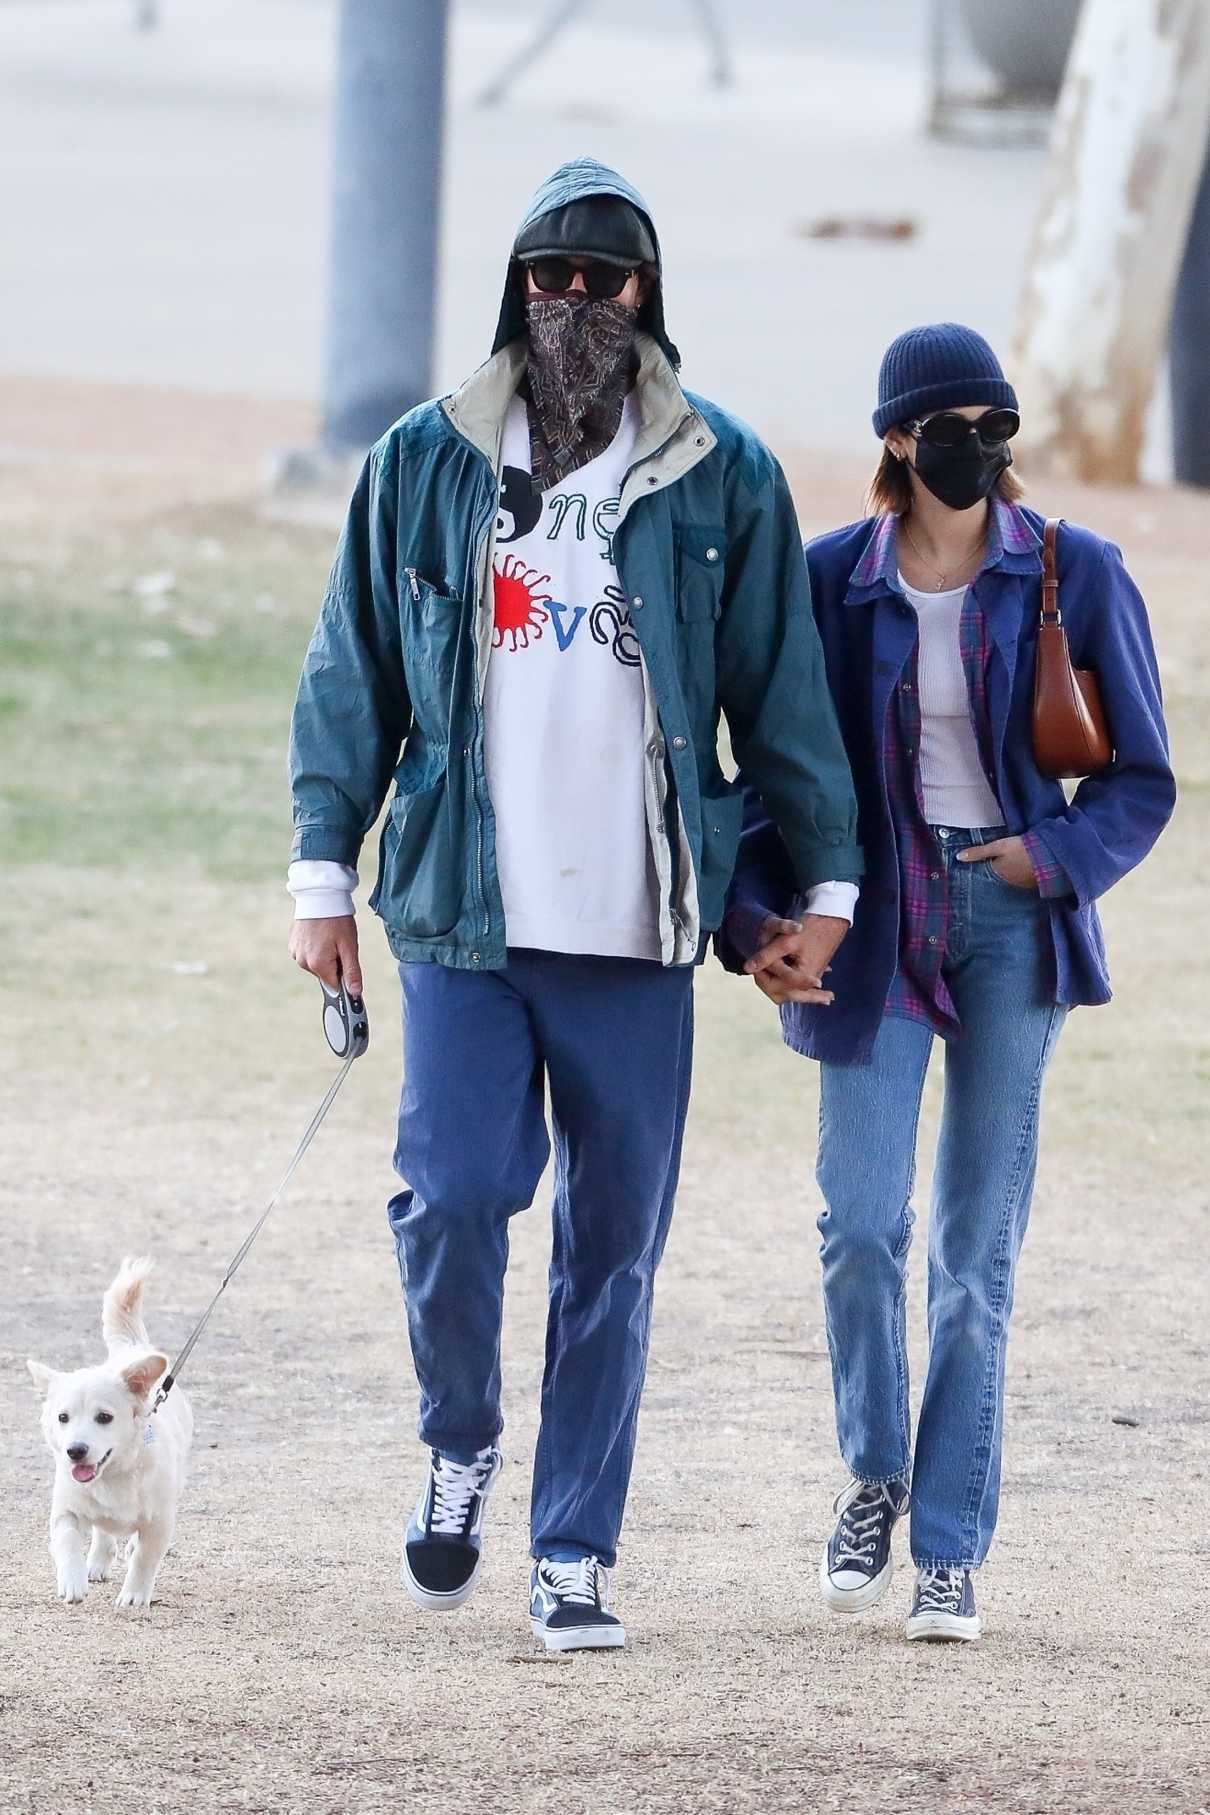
(942, 577)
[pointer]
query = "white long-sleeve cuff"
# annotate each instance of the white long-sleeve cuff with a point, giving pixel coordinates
(321, 890)
(836, 899)
(324, 890)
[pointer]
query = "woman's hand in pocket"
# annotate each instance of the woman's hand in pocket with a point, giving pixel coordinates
(1008, 858)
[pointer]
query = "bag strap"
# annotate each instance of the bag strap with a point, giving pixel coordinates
(1050, 573)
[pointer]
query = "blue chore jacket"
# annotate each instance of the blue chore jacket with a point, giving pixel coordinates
(706, 548)
(869, 634)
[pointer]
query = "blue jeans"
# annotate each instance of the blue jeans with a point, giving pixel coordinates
(613, 1040)
(998, 968)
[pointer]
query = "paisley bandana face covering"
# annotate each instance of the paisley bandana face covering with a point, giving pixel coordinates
(580, 368)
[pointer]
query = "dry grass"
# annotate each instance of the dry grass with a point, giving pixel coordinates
(283, 1669)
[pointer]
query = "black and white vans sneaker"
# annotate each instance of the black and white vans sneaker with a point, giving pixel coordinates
(855, 1569)
(943, 1606)
(441, 1547)
(567, 1606)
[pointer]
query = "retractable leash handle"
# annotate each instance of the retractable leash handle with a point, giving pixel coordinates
(347, 1031)
(346, 1024)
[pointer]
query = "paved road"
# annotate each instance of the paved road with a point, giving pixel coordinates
(165, 193)
(896, 27)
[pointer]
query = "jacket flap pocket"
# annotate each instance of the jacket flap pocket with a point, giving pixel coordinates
(700, 560)
(706, 543)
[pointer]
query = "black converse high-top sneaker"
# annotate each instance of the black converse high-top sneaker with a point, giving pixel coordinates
(943, 1606)
(855, 1569)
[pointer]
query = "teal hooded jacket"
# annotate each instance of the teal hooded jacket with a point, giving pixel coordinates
(708, 553)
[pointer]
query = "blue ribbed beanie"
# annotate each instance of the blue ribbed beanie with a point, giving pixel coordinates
(937, 368)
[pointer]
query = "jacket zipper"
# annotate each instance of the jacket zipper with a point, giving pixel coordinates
(480, 551)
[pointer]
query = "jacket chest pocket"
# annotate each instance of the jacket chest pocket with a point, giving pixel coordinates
(432, 643)
(700, 564)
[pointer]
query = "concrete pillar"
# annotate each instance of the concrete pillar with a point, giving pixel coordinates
(386, 185)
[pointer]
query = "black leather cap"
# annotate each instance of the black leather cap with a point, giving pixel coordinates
(598, 226)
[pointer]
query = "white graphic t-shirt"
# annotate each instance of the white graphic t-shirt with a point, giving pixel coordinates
(563, 713)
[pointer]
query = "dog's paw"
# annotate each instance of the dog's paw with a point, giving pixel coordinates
(72, 1586)
(100, 1557)
(134, 1597)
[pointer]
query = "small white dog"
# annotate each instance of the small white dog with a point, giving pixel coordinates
(119, 1470)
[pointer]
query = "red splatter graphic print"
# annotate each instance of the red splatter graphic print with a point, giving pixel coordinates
(519, 613)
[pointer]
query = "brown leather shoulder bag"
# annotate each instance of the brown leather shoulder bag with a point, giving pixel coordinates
(1071, 736)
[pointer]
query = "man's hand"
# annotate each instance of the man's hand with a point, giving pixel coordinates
(328, 949)
(794, 957)
(1008, 858)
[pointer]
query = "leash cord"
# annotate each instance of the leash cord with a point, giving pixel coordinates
(170, 1378)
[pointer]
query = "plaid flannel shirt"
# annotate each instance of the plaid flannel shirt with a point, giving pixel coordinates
(918, 989)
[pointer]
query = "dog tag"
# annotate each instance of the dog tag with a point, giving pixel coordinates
(346, 1024)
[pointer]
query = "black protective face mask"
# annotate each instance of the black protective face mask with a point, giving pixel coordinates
(961, 477)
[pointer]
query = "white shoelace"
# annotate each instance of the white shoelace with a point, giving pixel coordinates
(455, 1485)
(859, 1526)
(575, 1582)
(939, 1590)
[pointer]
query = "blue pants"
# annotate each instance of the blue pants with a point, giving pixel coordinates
(612, 1038)
(997, 966)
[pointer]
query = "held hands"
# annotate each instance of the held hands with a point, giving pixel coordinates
(1008, 858)
(794, 957)
(328, 949)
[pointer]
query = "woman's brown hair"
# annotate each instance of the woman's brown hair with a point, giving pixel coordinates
(890, 490)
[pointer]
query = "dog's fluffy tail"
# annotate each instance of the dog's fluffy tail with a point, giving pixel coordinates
(122, 1306)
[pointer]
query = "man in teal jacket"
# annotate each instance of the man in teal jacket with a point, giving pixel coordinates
(549, 585)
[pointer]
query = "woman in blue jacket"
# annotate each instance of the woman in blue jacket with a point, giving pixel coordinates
(976, 922)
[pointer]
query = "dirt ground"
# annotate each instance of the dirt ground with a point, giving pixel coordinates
(160, 1061)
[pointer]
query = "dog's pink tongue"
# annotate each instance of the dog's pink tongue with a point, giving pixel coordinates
(83, 1471)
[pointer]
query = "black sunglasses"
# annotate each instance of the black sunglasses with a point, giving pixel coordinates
(948, 429)
(555, 276)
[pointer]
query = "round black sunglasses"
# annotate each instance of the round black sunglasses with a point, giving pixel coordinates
(949, 429)
(555, 276)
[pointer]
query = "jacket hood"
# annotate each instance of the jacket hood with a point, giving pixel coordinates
(573, 182)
